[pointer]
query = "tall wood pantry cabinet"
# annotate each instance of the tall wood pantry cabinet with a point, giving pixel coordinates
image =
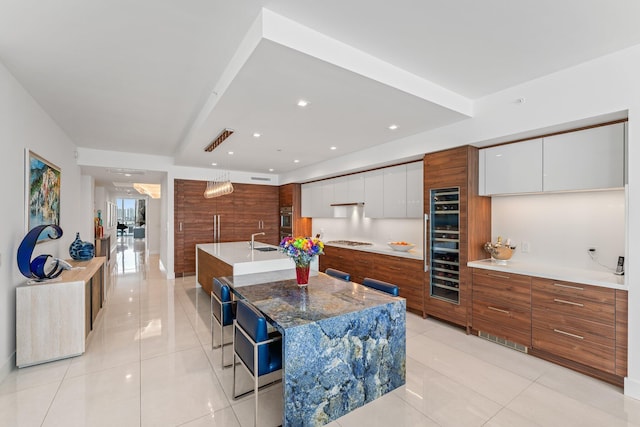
(457, 224)
(249, 209)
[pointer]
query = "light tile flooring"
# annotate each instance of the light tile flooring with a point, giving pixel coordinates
(149, 363)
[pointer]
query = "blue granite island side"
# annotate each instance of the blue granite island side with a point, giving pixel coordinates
(344, 345)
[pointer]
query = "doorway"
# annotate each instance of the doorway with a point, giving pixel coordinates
(131, 234)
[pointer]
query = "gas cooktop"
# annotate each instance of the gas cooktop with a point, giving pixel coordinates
(349, 243)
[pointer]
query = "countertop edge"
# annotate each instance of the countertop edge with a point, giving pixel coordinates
(586, 277)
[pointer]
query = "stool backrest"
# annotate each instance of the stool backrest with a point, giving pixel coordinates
(250, 320)
(222, 302)
(338, 274)
(381, 286)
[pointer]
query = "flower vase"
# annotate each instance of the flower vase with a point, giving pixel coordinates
(302, 275)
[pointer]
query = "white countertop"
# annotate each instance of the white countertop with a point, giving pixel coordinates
(415, 253)
(246, 261)
(587, 277)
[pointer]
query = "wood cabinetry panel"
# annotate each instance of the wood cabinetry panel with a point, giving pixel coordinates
(405, 273)
(210, 267)
(622, 313)
(249, 209)
(458, 167)
(511, 289)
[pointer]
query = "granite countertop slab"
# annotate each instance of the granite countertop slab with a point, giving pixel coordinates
(324, 297)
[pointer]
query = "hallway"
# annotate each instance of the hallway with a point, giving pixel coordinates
(149, 363)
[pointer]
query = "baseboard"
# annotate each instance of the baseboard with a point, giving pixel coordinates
(632, 388)
(7, 367)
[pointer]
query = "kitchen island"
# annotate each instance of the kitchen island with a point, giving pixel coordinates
(344, 345)
(237, 259)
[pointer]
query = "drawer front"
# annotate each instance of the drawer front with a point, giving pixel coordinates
(575, 290)
(512, 292)
(396, 270)
(585, 330)
(512, 323)
(569, 305)
(588, 353)
(511, 277)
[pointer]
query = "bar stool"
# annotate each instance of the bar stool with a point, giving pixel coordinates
(258, 351)
(338, 274)
(381, 286)
(223, 312)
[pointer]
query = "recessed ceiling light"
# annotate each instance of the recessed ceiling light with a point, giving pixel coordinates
(231, 153)
(296, 161)
(271, 169)
(127, 174)
(393, 127)
(214, 164)
(303, 103)
(256, 135)
(333, 148)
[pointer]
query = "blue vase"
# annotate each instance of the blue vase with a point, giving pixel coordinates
(81, 251)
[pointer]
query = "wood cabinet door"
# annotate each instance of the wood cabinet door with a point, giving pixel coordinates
(256, 210)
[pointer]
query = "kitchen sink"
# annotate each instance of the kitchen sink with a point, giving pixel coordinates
(265, 249)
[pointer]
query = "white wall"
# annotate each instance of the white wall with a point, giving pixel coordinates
(373, 230)
(561, 227)
(24, 125)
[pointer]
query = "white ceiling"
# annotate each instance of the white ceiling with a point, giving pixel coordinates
(165, 77)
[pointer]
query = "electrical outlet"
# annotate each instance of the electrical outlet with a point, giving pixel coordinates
(526, 247)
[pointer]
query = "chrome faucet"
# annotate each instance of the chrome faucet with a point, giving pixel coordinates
(253, 238)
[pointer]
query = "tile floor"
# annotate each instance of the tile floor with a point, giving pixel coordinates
(149, 363)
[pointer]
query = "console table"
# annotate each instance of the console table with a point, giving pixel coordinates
(53, 318)
(343, 344)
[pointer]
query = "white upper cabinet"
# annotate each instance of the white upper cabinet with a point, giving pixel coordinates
(394, 181)
(511, 168)
(585, 160)
(373, 196)
(316, 199)
(348, 189)
(341, 190)
(589, 159)
(355, 184)
(415, 192)
(393, 192)
(306, 200)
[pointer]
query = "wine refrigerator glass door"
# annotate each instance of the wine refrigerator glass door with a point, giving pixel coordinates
(444, 244)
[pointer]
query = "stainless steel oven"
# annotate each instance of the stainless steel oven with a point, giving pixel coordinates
(286, 221)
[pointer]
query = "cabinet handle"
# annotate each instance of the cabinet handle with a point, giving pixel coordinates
(561, 301)
(560, 285)
(502, 276)
(569, 334)
(180, 226)
(498, 309)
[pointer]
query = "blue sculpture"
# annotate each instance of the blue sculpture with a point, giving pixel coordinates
(42, 267)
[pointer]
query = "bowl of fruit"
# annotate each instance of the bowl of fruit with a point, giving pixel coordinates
(401, 246)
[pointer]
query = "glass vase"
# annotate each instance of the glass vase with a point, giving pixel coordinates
(302, 275)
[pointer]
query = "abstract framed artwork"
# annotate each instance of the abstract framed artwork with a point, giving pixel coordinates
(43, 192)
